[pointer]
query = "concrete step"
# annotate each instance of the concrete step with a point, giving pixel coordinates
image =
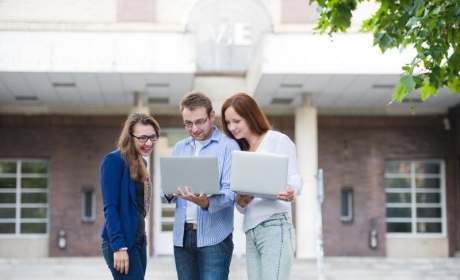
(334, 268)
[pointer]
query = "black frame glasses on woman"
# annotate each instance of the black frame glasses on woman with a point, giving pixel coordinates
(144, 138)
(198, 123)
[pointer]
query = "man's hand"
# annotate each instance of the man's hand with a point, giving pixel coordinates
(200, 200)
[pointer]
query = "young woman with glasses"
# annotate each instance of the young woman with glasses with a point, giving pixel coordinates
(126, 194)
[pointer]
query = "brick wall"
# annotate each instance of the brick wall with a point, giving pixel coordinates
(352, 152)
(454, 207)
(75, 147)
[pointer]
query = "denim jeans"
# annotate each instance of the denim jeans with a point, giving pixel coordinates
(204, 263)
(137, 259)
(270, 248)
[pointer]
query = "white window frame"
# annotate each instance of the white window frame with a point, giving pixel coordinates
(349, 192)
(18, 205)
(413, 204)
(84, 217)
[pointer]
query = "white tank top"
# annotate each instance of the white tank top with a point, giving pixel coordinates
(191, 215)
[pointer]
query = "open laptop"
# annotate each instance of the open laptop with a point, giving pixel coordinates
(200, 174)
(259, 175)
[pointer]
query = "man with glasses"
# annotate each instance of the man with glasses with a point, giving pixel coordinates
(203, 225)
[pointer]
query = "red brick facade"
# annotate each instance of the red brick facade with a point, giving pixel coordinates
(352, 153)
(75, 147)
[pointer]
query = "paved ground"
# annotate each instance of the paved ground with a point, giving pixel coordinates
(93, 268)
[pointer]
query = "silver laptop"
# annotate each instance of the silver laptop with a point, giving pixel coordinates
(200, 174)
(259, 175)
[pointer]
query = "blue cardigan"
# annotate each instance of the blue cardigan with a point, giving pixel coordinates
(119, 199)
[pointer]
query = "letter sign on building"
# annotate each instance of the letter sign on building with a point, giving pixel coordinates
(226, 33)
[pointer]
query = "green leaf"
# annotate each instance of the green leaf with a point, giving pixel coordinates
(422, 34)
(456, 11)
(412, 21)
(385, 42)
(431, 27)
(454, 85)
(406, 68)
(400, 93)
(408, 82)
(342, 16)
(418, 4)
(420, 11)
(454, 62)
(418, 81)
(423, 53)
(436, 52)
(428, 90)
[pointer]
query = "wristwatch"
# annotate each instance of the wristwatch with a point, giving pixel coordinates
(123, 249)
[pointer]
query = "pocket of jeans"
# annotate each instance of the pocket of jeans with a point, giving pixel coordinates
(228, 244)
(106, 252)
(271, 223)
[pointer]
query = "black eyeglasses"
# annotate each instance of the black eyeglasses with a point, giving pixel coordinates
(144, 138)
(198, 123)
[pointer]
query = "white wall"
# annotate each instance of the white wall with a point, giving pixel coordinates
(61, 10)
(24, 247)
(417, 247)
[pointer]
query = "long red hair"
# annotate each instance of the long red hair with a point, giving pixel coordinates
(245, 106)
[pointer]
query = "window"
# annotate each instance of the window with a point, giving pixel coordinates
(347, 204)
(88, 205)
(23, 197)
(415, 200)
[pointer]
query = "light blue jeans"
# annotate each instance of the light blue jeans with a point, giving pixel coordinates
(270, 248)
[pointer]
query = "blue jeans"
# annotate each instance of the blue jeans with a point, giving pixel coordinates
(204, 263)
(137, 259)
(270, 248)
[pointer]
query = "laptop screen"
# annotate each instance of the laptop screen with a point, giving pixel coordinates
(260, 175)
(200, 174)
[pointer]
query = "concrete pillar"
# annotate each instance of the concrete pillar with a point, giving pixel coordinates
(139, 104)
(306, 140)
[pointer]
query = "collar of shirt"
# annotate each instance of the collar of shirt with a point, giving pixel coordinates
(216, 135)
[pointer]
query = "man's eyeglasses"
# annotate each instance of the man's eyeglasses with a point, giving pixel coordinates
(198, 123)
(144, 138)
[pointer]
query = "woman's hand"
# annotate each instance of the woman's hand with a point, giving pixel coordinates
(121, 261)
(288, 195)
(243, 200)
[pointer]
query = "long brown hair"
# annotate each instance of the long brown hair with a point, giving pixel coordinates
(136, 166)
(249, 110)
